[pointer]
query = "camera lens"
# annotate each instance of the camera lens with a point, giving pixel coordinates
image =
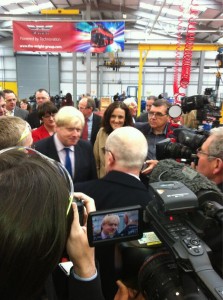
(159, 278)
(193, 102)
(190, 139)
(166, 149)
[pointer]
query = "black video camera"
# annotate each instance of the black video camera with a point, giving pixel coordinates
(188, 141)
(207, 110)
(185, 264)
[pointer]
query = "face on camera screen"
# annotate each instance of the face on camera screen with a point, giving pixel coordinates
(114, 225)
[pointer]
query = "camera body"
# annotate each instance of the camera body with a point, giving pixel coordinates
(207, 110)
(80, 207)
(180, 268)
(187, 141)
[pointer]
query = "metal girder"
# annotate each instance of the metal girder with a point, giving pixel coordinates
(172, 47)
(165, 47)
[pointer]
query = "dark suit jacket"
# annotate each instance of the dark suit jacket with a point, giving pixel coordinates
(114, 190)
(143, 117)
(96, 125)
(85, 168)
(21, 113)
(33, 119)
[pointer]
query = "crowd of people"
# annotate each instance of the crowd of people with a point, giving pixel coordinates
(106, 159)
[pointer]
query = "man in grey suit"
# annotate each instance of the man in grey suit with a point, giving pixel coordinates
(11, 108)
(66, 146)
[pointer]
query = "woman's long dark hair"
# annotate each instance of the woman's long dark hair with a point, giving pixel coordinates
(34, 225)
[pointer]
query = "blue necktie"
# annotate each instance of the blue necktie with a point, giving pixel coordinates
(68, 161)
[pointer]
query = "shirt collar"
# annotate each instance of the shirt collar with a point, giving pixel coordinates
(164, 130)
(59, 145)
(90, 118)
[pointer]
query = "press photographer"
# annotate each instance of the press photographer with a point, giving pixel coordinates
(208, 156)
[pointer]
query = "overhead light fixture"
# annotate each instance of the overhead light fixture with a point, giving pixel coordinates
(30, 8)
(8, 2)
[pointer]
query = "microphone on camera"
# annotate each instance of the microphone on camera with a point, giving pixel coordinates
(169, 169)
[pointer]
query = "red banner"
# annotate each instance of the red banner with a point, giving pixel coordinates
(68, 36)
(42, 36)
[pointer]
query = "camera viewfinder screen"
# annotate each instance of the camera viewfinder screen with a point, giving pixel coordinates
(115, 225)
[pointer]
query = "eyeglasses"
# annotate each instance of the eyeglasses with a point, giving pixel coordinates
(104, 149)
(82, 108)
(199, 151)
(156, 114)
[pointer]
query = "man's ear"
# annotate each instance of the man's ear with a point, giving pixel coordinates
(110, 159)
(218, 167)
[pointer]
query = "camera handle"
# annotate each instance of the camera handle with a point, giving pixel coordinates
(186, 247)
(201, 265)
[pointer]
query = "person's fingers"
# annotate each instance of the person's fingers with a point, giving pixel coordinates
(87, 201)
(120, 284)
(122, 293)
(76, 221)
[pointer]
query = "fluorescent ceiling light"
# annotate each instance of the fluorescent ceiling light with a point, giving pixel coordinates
(167, 10)
(45, 5)
(8, 2)
(31, 8)
(141, 22)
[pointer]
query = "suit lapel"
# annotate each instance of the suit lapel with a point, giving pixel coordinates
(52, 149)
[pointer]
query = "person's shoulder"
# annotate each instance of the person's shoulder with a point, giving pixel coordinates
(102, 133)
(43, 142)
(82, 186)
(143, 117)
(144, 127)
(96, 116)
(21, 111)
(84, 144)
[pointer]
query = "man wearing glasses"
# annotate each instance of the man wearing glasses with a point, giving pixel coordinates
(158, 127)
(92, 121)
(11, 108)
(210, 157)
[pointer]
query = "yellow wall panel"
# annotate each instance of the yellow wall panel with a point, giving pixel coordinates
(10, 85)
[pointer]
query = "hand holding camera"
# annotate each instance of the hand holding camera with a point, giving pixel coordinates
(78, 248)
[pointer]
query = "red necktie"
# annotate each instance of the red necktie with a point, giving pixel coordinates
(85, 130)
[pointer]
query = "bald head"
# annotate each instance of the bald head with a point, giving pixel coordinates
(129, 148)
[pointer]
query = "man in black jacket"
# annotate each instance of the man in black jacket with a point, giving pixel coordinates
(69, 125)
(125, 151)
(41, 96)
